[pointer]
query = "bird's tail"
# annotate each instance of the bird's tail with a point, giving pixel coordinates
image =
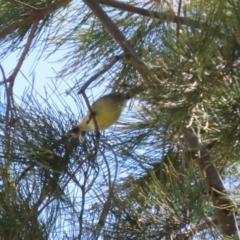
(77, 133)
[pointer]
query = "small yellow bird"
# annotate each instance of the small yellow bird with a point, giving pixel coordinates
(106, 111)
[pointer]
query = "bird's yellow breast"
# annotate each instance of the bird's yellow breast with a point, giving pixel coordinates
(106, 112)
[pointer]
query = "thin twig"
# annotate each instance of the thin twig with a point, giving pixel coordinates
(7, 139)
(12, 77)
(8, 105)
(80, 219)
(4, 76)
(8, 100)
(25, 5)
(4, 81)
(178, 23)
(92, 116)
(105, 69)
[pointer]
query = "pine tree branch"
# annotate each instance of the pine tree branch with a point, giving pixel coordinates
(165, 16)
(149, 13)
(102, 71)
(25, 5)
(119, 37)
(5, 80)
(224, 206)
(35, 16)
(12, 77)
(189, 234)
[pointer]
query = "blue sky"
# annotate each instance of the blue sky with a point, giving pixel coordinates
(41, 73)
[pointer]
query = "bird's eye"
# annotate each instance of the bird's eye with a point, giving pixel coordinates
(119, 95)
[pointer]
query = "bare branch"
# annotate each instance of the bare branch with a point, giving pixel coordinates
(92, 115)
(224, 206)
(119, 37)
(12, 77)
(105, 69)
(178, 23)
(80, 219)
(35, 16)
(5, 80)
